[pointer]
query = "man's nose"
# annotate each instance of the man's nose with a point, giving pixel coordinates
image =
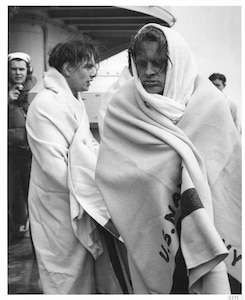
(17, 71)
(150, 69)
(93, 72)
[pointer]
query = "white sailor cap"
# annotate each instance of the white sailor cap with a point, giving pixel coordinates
(19, 55)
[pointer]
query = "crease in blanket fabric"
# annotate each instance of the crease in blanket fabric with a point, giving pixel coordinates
(86, 202)
(175, 137)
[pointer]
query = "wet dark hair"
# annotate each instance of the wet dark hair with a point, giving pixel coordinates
(74, 51)
(149, 34)
(218, 76)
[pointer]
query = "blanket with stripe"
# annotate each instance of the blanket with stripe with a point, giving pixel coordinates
(174, 191)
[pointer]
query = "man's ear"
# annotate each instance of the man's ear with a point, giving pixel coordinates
(66, 69)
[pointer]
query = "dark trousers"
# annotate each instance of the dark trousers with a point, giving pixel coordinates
(19, 166)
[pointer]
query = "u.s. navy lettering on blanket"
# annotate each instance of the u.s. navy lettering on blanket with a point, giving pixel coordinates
(145, 184)
(157, 140)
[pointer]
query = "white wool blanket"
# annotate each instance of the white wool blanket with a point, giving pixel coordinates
(156, 176)
(86, 202)
(71, 254)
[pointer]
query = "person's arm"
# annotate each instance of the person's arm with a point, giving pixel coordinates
(14, 93)
(16, 118)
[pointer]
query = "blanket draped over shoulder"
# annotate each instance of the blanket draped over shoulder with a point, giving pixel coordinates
(170, 174)
(63, 199)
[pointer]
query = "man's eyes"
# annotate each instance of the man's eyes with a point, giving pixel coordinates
(158, 64)
(15, 69)
(143, 63)
(90, 66)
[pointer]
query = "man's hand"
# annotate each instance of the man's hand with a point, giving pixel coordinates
(14, 93)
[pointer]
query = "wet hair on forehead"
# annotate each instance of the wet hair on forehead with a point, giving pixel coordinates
(73, 51)
(149, 34)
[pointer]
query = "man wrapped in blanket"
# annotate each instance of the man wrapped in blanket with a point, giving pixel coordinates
(63, 199)
(169, 170)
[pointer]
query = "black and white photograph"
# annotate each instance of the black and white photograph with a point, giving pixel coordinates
(122, 168)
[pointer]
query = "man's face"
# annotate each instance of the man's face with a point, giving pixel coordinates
(219, 84)
(17, 71)
(82, 75)
(151, 72)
